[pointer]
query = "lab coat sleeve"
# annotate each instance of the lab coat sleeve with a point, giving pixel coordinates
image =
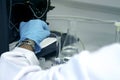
(99, 65)
(22, 64)
(73, 70)
(14, 61)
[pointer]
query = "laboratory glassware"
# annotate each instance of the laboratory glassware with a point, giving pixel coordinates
(71, 44)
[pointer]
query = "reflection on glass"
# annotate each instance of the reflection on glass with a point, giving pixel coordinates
(70, 45)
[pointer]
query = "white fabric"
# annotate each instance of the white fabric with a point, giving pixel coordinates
(103, 64)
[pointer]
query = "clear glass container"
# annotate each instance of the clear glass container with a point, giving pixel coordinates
(70, 45)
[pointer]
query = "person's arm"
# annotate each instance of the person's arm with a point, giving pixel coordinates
(103, 64)
(22, 64)
(23, 56)
(27, 44)
(99, 65)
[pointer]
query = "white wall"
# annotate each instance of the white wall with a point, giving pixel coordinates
(93, 34)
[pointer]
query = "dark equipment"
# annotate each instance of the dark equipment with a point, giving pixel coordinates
(12, 12)
(25, 10)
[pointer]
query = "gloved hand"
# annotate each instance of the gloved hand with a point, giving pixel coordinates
(36, 30)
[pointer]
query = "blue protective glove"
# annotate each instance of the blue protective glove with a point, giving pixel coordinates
(36, 30)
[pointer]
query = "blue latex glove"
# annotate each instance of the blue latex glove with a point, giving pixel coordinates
(36, 30)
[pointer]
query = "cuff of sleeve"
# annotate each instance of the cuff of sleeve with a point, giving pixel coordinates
(37, 48)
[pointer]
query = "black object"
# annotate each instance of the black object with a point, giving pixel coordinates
(12, 12)
(49, 51)
(25, 10)
(52, 50)
(3, 27)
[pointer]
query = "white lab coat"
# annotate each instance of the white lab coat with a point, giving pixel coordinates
(103, 64)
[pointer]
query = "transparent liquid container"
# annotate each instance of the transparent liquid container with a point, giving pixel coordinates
(71, 44)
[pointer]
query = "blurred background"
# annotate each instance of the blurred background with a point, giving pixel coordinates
(93, 20)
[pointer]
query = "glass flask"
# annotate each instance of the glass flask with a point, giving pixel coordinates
(70, 45)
